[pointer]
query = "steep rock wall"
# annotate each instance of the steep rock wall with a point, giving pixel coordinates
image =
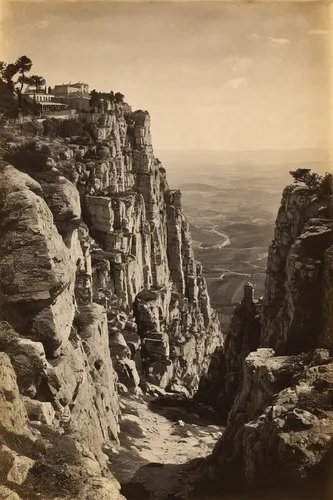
(280, 427)
(280, 431)
(143, 253)
(78, 300)
(59, 348)
(293, 314)
(219, 386)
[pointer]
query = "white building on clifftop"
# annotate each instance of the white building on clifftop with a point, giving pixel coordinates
(75, 95)
(66, 89)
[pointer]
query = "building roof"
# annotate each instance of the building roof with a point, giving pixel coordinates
(51, 103)
(36, 92)
(78, 84)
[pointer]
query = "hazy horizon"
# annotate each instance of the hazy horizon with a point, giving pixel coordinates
(213, 75)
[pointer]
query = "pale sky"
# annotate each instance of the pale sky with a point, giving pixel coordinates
(213, 75)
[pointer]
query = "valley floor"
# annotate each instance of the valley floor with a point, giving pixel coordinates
(154, 444)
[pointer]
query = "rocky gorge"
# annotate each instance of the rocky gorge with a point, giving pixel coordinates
(103, 304)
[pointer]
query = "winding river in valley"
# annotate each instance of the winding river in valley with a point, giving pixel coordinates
(223, 243)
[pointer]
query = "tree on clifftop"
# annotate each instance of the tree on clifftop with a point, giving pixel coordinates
(23, 65)
(119, 97)
(304, 175)
(37, 81)
(315, 182)
(8, 101)
(13, 77)
(95, 99)
(301, 174)
(8, 71)
(20, 67)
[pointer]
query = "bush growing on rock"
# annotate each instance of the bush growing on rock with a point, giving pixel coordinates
(326, 185)
(31, 128)
(315, 182)
(63, 128)
(119, 97)
(71, 128)
(51, 127)
(303, 175)
(27, 157)
(57, 467)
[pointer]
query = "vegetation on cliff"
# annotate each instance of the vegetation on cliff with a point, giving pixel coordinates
(13, 78)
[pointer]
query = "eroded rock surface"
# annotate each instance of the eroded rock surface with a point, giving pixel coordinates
(282, 415)
(279, 430)
(97, 276)
(141, 256)
(36, 459)
(293, 303)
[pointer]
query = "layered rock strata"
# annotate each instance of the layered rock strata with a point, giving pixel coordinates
(280, 429)
(142, 260)
(78, 300)
(59, 348)
(294, 303)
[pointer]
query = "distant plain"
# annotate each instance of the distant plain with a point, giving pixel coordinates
(231, 200)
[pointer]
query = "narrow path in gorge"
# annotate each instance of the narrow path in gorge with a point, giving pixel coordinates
(169, 437)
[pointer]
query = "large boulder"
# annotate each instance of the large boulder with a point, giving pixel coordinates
(280, 429)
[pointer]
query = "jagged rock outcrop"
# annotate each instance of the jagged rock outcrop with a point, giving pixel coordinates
(279, 432)
(242, 338)
(219, 386)
(40, 461)
(78, 300)
(211, 390)
(59, 348)
(280, 427)
(144, 238)
(141, 254)
(293, 304)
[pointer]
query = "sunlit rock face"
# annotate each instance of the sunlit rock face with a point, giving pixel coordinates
(99, 289)
(297, 258)
(59, 348)
(37, 453)
(142, 260)
(280, 427)
(279, 430)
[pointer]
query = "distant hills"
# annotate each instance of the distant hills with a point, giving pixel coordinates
(255, 157)
(196, 167)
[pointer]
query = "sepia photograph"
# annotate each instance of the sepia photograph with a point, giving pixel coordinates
(166, 250)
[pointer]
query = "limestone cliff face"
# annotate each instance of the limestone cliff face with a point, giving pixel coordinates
(280, 428)
(242, 338)
(142, 253)
(219, 386)
(293, 304)
(99, 290)
(56, 342)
